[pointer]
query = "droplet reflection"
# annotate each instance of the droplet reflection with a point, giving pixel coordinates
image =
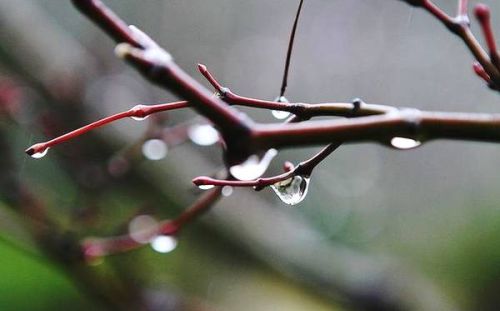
(404, 143)
(293, 190)
(278, 114)
(253, 167)
(40, 154)
(164, 243)
(206, 187)
(137, 118)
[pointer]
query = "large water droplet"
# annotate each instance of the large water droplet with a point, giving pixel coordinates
(404, 143)
(253, 167)
(40, 154)
(203, 134)
(154, 149)
(206, 187)
(164, 243)
(293, 190)
(142, 228)
(278, 114)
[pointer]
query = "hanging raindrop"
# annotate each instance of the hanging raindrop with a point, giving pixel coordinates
(404, 143)
(278, 114)
(253, 167)
(40, 154)
(139, 118)
(164, 243)
(206, 187)
(293, 190)
(203, 134)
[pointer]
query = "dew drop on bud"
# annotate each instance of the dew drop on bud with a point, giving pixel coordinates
(138, 118)
(203, 134)
(278, 114)
(206, 187)
(164, 243)
(404, 143)
(154, 149)
(293, 190)
(253, 167)
(40, 154)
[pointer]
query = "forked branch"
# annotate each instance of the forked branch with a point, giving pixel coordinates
(243, 138)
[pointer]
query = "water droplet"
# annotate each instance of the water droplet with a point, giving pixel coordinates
(293, 190)
(164, 243)
(404, 143)
(40, 154)
(139, 108)
(154, 149)
(203, 134)
(253, 167)
(206, 187)
(142, 228)
(227, 191)
(278, 114)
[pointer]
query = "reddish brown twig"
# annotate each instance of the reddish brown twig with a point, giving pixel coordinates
(304, 168)
(356, 108)
(138, 112)
(460, 26)
(482, 13)
(98, 247)
(243, 137)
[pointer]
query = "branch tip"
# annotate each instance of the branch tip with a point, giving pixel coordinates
(30, 151)
(202, 68)
(482, 12)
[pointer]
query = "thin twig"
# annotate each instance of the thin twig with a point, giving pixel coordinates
(284, 82)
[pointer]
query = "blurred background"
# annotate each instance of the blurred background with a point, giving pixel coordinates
(379, 230)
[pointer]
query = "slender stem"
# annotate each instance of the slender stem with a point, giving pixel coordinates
(462, 9)
(303, 110)
(107, 20)
(460, 26)
(304, 168)
(98, 247)
(438, 13)
(157, 65)
(482, 12)
(140, 111)
(284, 82)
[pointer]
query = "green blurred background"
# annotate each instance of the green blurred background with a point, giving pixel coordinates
(379, 230)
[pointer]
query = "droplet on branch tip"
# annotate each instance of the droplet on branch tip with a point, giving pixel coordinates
(292, 191)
